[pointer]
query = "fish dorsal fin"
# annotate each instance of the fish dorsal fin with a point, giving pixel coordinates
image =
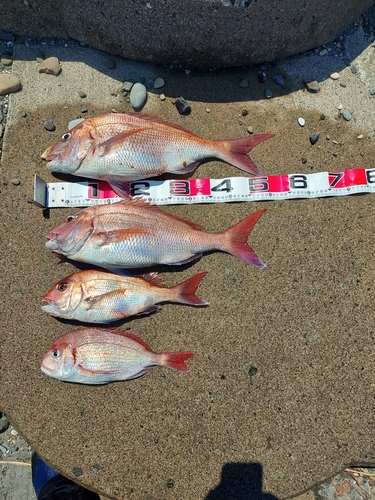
(141, 203)
(152, 277)
(118, 331)
(156, 119)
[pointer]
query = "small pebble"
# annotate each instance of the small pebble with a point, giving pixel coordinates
(279, 79)
(334, 76)
(322, 117)
(262, 77)
(6, 60)
(127, 86)
(50, 66)
(49, 125)
(346, 114)
(82, 94)
(353, 69)
(269, 93)
(314, 139)
(323, 52)
(208, 110)
(110, 63)
(340, 106)
(312, 86)
(84, 110)
(244, 112)
(244, 83)
(182, 106)
(13, 431)
(304, 160)
(250, 129)
(23, 114)
(159, 83)
(301, 121)
(138, 96)
(328, 137)
(360, 136)
(343, 84)
(77, 471)
(162, 97)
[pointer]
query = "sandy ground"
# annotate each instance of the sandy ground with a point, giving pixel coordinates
(304, 323)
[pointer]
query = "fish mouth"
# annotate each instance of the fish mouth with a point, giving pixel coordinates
(48, 305)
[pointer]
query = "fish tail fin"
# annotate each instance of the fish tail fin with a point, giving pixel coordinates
(236, 239)
(184, 293)
(175, 360)
(235, 152)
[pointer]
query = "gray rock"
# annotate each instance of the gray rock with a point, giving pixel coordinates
(49, 125)
(346, 114)
(182, 106)
(314, 139)
(15, 182)
(312, 86)
(8, 83)
(244, 83)
(200, 33)
(138, 96)
(159, 83)
(279, 79)
(127, 86)
(269, 93)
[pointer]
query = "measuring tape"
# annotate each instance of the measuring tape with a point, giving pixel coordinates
(188, 191)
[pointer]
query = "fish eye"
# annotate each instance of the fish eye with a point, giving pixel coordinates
(70, 218)
(66, 136)
(55, 353)
(62, 286)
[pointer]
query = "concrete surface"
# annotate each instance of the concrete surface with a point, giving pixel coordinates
(223, 430)
(194, 33)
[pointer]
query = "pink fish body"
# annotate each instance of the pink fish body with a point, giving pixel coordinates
(132, 233)
(99, 356)
(122, 147)
(100, 297)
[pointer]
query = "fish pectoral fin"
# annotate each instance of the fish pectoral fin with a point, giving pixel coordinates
(91, 301)
(89, 371)
(119, 236)
(121, 188)
(115, 142)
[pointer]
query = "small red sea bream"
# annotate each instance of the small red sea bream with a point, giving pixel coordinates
(122, 147)
(94, 296)
(132, 233)
(99, 356)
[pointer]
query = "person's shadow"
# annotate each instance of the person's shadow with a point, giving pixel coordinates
(240, 481)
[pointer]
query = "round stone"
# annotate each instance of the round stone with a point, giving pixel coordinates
(346, 114)
(301, 121)
(7, 61)
(138, 96)
(159, 83)
(334, 76)
(49, 125)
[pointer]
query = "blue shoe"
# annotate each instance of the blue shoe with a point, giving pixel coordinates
(50, 485)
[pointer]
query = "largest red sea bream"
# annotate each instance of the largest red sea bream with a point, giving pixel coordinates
(121, 147)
